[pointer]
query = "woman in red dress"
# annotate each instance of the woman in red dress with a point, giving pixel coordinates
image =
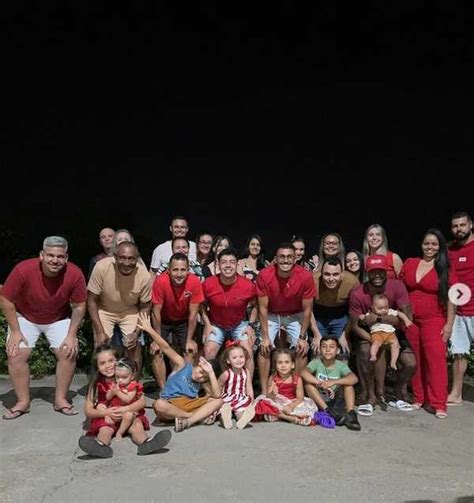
(427, 280)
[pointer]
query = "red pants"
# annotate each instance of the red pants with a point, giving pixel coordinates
(430, 382)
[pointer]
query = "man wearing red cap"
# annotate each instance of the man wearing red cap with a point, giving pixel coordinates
(359, 303)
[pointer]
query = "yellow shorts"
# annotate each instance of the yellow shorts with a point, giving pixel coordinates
(188, 404)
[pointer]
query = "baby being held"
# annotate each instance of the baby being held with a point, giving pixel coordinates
(383, 333)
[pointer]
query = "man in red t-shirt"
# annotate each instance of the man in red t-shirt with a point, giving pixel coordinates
(461, 256)
(285, 300)
(228, 295)
(176, 296)
(360, 301)
(43, 295)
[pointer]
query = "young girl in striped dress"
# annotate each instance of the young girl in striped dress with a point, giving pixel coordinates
(236, 386)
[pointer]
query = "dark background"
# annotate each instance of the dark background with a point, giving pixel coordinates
(277, 120)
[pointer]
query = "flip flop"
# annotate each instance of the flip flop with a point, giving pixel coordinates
(401, 405)
(441, 414)
(67, 410)
(366, 409)
(14, 414)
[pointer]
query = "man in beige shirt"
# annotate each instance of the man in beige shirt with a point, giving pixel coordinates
(118, 290)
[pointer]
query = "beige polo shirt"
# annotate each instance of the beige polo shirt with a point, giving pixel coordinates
(117, 293)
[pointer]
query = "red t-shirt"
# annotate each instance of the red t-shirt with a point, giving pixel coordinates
(360, 299)
(41, 299)
(176, 299)
(462, 261)
(285, 295)
(228, 303)
(424, 294)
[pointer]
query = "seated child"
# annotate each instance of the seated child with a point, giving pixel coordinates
(324, 379)
(236, 386)
(285, 397)
(123, 391)
(383, 334)
(180, 400)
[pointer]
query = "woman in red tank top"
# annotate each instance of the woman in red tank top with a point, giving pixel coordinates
(376, 243)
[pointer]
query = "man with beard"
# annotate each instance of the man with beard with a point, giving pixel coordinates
(285, 301)
(118, 290)
(43, 295)
(461, 255)
(360, 301)
(227, 297)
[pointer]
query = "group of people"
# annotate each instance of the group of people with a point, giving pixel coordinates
(313, 327)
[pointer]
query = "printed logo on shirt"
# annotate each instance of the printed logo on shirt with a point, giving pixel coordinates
(187, 294)
(462, 259)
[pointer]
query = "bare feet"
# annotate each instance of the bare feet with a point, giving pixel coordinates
(118, 437)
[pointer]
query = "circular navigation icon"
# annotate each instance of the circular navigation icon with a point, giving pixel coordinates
(459, 294)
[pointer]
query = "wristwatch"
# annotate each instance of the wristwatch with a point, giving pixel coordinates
(303, 337)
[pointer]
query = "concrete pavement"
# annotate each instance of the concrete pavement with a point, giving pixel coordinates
(397, 457)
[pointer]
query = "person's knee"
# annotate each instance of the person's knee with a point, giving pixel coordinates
(210, 351)
(160, 406)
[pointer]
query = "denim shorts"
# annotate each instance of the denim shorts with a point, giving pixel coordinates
(291, 324)
(333, 326)
(463, 335)
(219, 334)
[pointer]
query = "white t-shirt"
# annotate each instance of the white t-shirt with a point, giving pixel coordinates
(162, 254)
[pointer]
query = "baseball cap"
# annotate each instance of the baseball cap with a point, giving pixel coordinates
(376, 262)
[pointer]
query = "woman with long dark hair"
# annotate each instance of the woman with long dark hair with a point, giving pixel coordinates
(428, 280)
(253, 258)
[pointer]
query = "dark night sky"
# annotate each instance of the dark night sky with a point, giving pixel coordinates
(315, 119)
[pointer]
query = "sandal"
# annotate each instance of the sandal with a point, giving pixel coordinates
(67, 410)
(366, 409)
(210, 420)
(441, 414)
(303, 421)
(401, 405)
(181, 424)
(14, 414)
(416, 406)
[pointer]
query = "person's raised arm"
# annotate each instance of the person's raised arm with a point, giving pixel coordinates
(175, 358)
(126, 397)
(212, 387)
(191, 346)
(207, 322)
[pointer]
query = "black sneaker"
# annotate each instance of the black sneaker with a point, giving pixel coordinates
(338, 417)
(351, 421)
(91, 446)
(154, 444)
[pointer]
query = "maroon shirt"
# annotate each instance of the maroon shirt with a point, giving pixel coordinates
(41, 299)
(285, 295)
(360, 299)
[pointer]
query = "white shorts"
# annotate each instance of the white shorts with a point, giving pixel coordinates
(463, 335)
(55, 332)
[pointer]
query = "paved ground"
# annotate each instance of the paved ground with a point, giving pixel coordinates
(396, 457)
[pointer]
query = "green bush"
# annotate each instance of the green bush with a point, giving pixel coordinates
(43, 360)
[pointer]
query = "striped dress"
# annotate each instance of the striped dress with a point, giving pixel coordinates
(235, 390)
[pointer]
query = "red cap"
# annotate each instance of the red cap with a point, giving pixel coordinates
(376, 262)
